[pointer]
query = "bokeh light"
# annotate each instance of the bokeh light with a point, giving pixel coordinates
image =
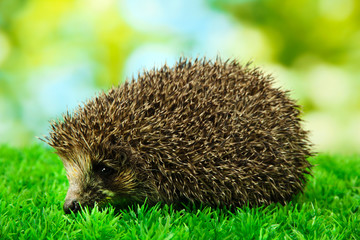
(55, 55)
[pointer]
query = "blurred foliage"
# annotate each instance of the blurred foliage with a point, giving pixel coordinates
(55, 54)
(325, 29)
(41, 32)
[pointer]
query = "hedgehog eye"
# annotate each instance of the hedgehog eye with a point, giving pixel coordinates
(104, 170)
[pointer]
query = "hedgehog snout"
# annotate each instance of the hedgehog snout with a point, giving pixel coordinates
(82, 196)
(71, 200)
(71, 205)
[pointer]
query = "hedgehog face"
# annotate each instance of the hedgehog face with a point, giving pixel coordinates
(95, 178)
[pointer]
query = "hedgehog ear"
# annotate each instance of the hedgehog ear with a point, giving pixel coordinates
(119, 155)
(113, 140)
(122, 156)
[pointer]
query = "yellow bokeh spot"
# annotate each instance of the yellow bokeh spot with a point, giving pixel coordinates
(4, 47)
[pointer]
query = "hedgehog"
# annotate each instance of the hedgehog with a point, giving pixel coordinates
(204, 131)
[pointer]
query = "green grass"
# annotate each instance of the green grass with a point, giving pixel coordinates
(33, 185)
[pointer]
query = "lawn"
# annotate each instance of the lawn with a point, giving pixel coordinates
(33, 186)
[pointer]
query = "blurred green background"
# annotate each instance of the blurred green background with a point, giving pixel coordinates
(56, 54)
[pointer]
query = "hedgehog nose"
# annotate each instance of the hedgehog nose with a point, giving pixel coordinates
(71, 206)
